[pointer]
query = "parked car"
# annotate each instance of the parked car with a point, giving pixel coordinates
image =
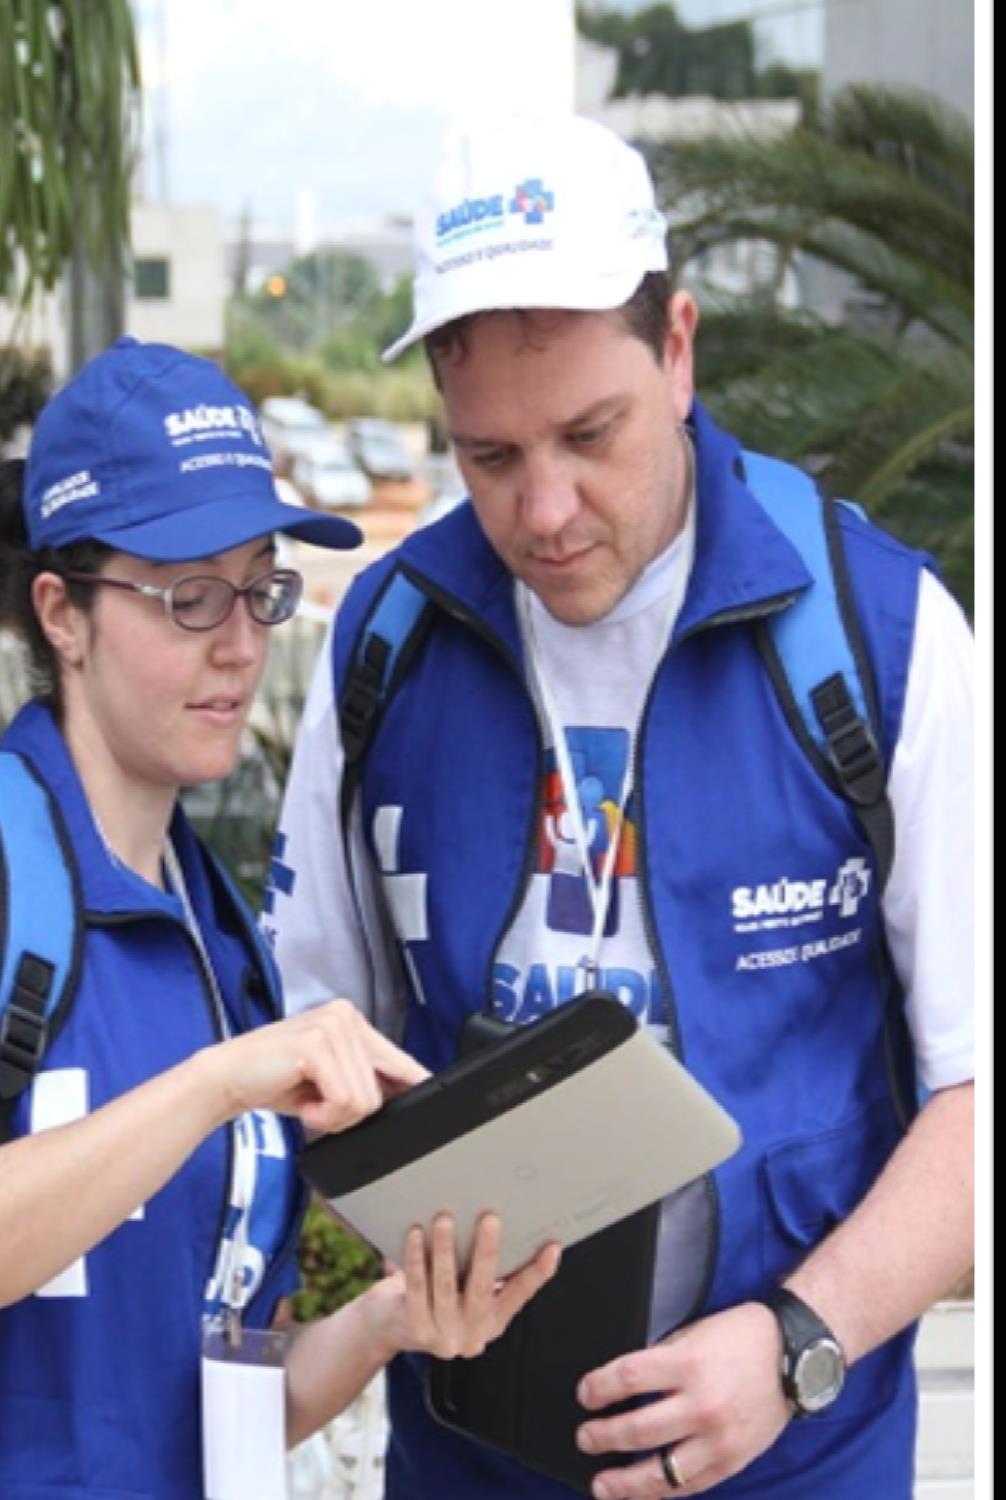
(328, 478)
(291, 426)
(379, 449)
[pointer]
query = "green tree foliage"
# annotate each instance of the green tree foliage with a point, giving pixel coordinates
(327, 297)
(659, 54)
(69, 79)
(881, 407)
(322, 338)
(335, 1266)
(25, 386)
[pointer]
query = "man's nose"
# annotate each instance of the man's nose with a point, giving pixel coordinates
(549, 498)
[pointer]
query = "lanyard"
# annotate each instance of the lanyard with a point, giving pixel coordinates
(599, 886)
(228, 1274)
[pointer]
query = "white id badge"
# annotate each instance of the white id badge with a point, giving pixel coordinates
(244, 1415)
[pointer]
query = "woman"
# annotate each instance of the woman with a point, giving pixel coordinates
(147, 1192)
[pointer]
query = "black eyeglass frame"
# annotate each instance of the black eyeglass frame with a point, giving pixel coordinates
(237, 591)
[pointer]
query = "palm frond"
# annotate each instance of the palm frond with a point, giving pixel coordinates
(786, 188)
(882, 191)
(69, 81)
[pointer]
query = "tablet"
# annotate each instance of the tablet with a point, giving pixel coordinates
(551, 1128)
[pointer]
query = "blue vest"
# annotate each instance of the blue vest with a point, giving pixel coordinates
(760, 900)
(99, 1388)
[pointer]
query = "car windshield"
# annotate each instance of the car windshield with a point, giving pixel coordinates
(296, 416)
(382, 442)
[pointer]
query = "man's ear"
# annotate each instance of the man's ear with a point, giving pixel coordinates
(64, 625)
(682, 321)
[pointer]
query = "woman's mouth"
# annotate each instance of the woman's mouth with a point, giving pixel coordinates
(220, 710)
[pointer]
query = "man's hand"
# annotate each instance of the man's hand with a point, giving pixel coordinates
(721, 1405)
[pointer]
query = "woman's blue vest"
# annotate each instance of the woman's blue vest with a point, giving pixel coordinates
(99, 1387)
(759, 896)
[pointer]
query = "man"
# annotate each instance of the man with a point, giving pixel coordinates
(585, 775)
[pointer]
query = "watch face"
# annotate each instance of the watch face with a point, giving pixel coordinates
(818, 1375)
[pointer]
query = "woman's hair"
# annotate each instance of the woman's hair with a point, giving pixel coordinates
(19, 567)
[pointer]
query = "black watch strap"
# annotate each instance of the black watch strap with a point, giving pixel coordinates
(799, 1322)
(813, 1363)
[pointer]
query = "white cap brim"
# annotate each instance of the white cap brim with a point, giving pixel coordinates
(601, 295)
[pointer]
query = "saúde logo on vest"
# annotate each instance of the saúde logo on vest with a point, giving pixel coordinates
(788, 904)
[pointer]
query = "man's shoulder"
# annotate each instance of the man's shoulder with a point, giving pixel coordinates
(869, 540)
(450, 558)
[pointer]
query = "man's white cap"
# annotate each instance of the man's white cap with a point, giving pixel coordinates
(549, 212)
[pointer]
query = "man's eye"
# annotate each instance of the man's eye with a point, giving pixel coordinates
(491, 458)
(588, 437)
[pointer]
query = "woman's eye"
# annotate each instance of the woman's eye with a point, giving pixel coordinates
(191, 597)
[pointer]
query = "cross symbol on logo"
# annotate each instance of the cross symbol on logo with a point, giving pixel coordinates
(532, 200)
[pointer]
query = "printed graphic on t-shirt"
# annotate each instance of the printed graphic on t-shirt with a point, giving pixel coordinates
(540, 964)
(598, 758)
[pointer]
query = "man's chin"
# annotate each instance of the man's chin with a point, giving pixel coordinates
(577, 606)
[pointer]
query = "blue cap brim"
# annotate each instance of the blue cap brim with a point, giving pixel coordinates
(210, 529)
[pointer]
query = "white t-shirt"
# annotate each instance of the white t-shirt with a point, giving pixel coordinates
(598, 678)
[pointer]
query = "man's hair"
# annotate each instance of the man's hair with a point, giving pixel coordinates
(645, 316)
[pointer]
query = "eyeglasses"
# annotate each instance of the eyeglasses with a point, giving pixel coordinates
(201, 602)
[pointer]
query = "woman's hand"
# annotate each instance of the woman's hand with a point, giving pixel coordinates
(424, 1305)
(427, 1306)
(326, 1065)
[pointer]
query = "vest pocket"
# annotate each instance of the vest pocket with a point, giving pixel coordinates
(810, 1185)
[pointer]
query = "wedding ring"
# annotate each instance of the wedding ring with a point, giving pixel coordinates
(672, 1473)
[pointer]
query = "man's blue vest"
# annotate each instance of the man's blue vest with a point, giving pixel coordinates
(99, 1386)
(759, 897)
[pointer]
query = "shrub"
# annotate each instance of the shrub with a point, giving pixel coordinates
(335, 1265)
(25, 386)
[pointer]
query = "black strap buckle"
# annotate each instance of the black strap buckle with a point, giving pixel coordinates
(363, 697)
(852, 748)
(24, 1028)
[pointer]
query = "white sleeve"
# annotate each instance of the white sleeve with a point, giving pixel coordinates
(929, 900)
(330, 936)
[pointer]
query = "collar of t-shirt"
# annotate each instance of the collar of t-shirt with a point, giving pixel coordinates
(599, 674)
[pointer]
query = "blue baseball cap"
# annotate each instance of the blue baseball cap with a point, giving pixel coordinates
(157, 453)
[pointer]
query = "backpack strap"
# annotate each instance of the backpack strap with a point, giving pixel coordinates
(40, 928)
(392, 632)
(816, 657)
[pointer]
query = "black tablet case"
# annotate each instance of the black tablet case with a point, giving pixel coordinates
(520, 1396)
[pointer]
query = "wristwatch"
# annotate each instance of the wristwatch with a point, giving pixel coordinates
(813, 1364)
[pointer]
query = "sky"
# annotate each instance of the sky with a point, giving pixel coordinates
(332, 110)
